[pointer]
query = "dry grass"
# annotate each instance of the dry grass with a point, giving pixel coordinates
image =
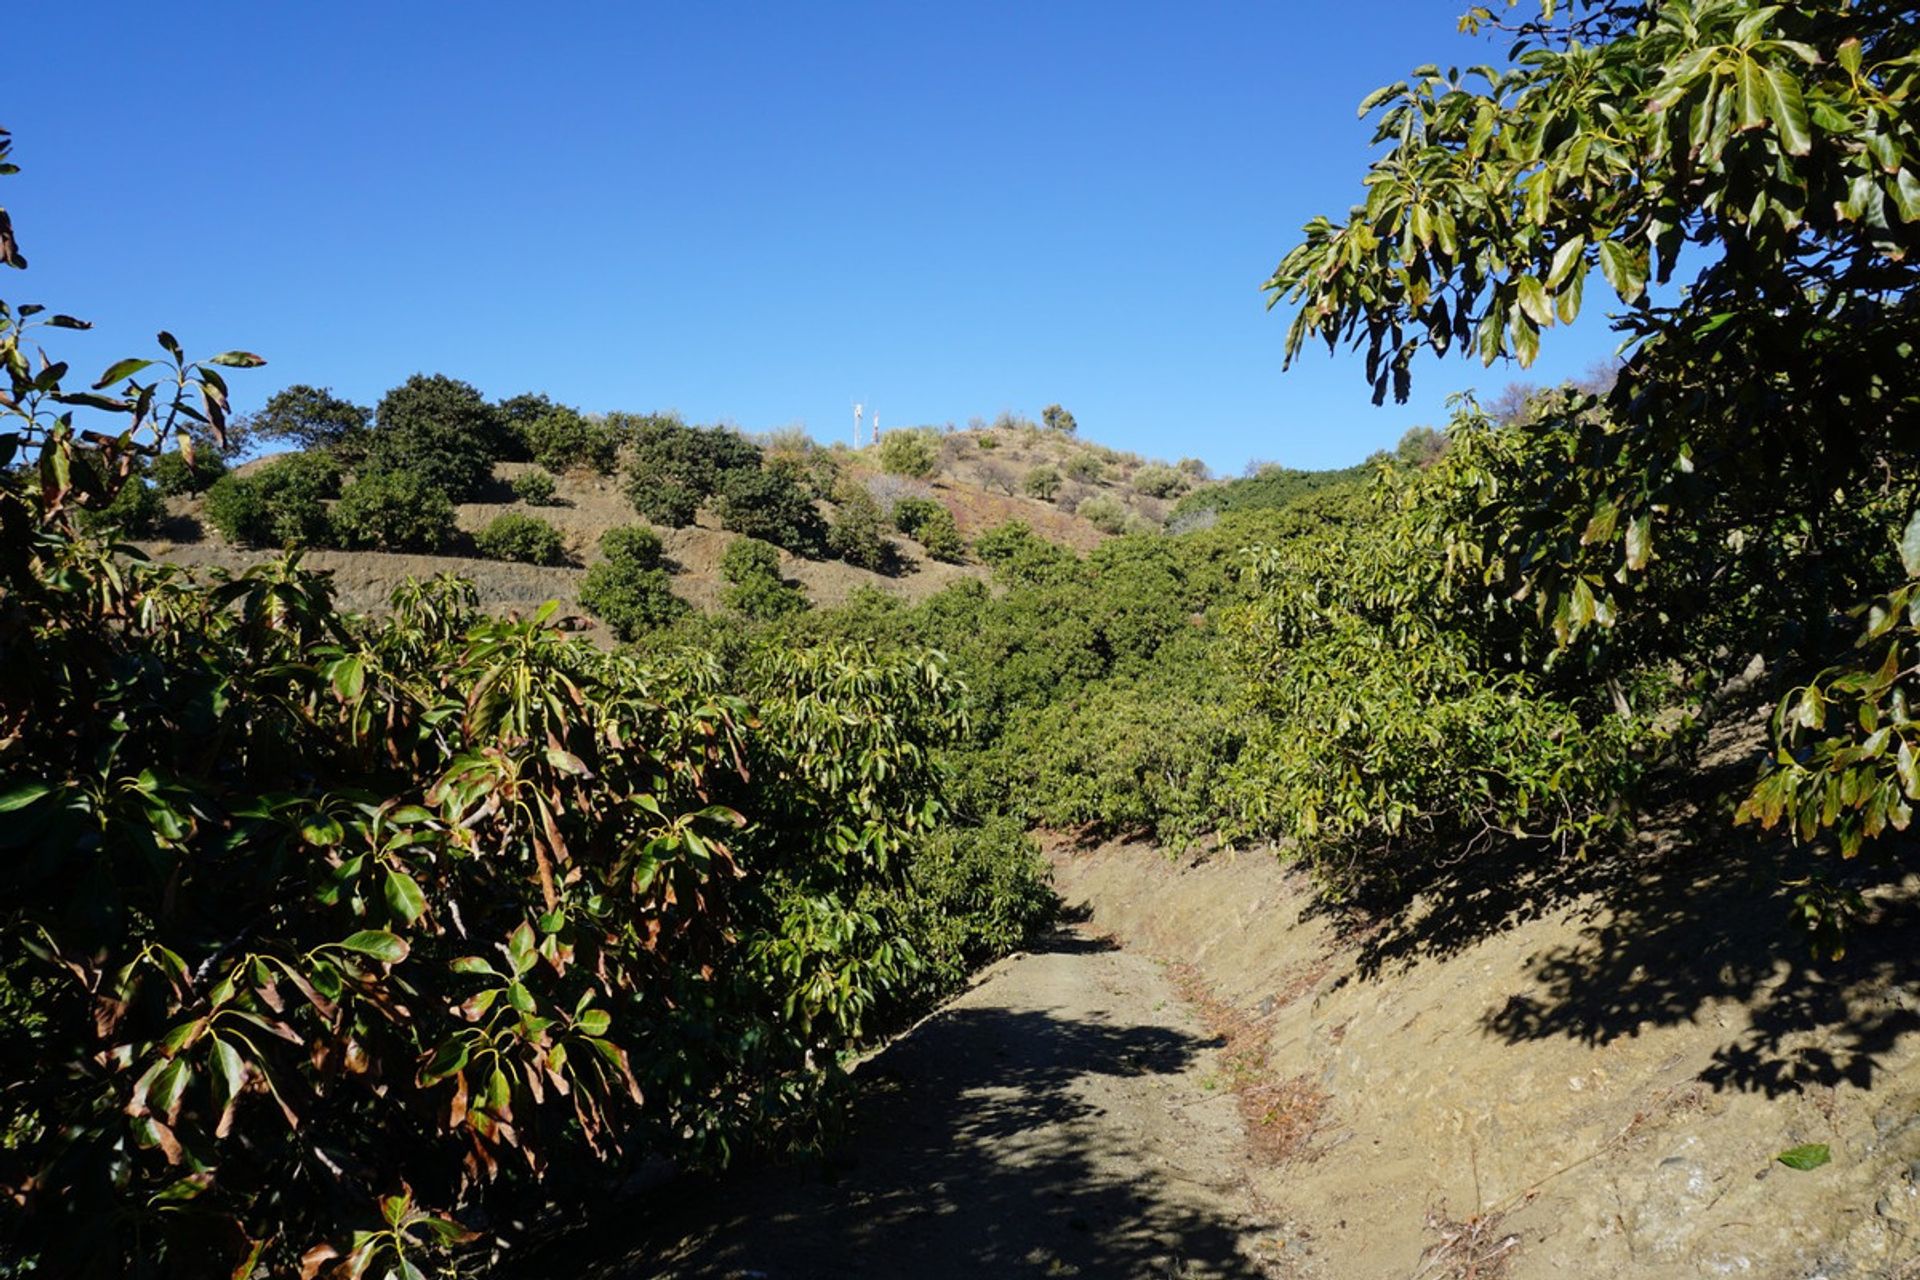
(1282, 1116)
(1478, 1248)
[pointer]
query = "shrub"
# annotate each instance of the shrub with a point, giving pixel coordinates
(135, 511)
(628, 590)
(1104, 512)
(1085, 467)
(564, 438)
(535, 488)
(755, 587)
(1017, 554)
(523, 538)
(280, 504)
(665, 502)
(971, 894)
(677, 468)
(313, 418)
(516, 413)
(632, 544)
(909, 453)
(1194, 468)
(858, 535)
(1158, 481)
(1421, 447)
(822, 472)
(932, 525)
(1043, 482)
(1058, 419)
(236, 508)
(986, 444)
(909, 513)
(768, 503)
(174, 477)
(391, 512)
(440, 430)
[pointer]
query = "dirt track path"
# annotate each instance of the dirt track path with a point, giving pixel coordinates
(1062, 1118)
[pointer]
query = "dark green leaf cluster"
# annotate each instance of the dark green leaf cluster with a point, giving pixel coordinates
(441, 431)
(913, 452)
(535, 488)
(755, 588)
(522, 538)
(858, 534)
(563, 439)
(628, 589)
(392, 511)
(928, 522)
(676, 469)
(772, 503)
(281, 503)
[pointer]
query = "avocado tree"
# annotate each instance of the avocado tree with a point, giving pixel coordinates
(1753, 470)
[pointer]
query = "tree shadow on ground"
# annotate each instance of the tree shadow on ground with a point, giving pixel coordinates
(1692, 913)
(971, 1155)
(1682, 935)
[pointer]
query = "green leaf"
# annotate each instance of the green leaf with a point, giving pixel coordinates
(1755, 94)
(1526, 340)
(390, 948)
(404, 896)
(238, 360)
(1565, 258)
(1910, 547)
(120, 370)
(1810, 1156)
(1789, 112)
(1906, 194)
(1624, 269)
(520, 948)
(1639, 541)
(1533, 300)
(22, 794)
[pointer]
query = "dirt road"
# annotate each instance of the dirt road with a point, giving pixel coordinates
(1063, 1118)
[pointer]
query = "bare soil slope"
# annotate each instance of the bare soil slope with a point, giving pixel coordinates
(1508, 1086)
(977, 479)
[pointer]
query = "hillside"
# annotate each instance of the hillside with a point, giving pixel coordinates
(977, 474)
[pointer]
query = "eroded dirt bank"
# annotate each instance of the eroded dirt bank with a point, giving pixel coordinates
(1065, 1117)
(1557, 1087)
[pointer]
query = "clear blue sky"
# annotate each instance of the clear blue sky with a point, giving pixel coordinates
(747, 212)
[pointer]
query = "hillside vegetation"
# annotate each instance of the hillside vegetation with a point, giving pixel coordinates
(334, 940)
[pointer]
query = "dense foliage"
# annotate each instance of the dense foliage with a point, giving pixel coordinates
(333, 943)
(755, 588)
(526, 539)
(629, 589)
(909, 453)
(772, 503)
(280, 503)
(392, 511)
(1751, 475)
(931, 524)
(858, 534)
(675, 468)
(441, 431)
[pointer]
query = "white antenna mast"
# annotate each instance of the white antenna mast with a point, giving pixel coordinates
(858, 408)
